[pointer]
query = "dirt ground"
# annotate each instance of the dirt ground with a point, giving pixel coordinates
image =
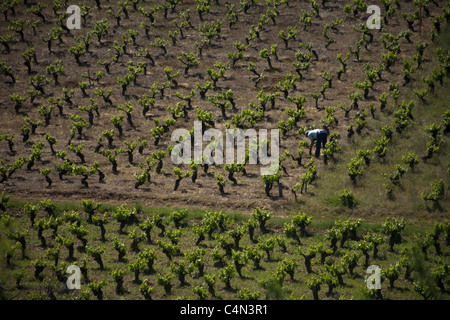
(119, 188)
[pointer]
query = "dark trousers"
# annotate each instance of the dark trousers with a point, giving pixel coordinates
(321, 141)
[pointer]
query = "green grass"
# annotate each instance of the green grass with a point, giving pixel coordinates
(353, 288)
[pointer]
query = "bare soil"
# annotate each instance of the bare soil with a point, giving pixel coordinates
(119, 188)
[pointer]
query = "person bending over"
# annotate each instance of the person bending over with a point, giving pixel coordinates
(318, 137)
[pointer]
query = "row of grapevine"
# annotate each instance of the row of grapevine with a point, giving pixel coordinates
(160, 255)
(87, 113)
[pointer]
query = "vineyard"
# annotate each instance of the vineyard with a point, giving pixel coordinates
(86, 170)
